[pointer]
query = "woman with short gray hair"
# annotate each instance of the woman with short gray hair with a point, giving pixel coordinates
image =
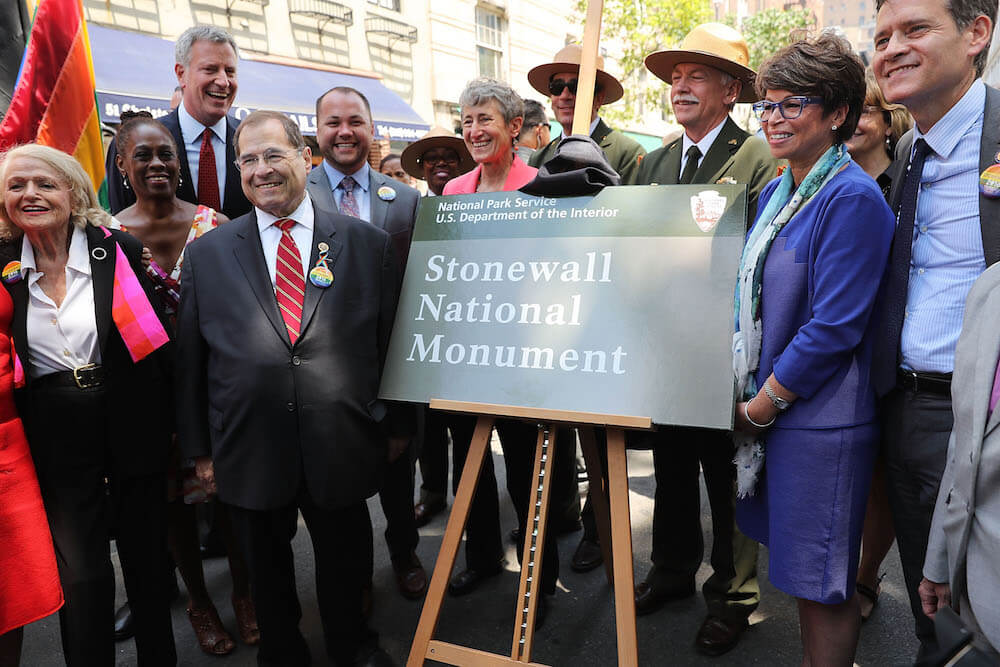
(492, 114)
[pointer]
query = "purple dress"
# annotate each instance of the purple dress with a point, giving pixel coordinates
(820, 283)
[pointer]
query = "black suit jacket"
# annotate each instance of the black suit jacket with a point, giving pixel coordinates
(235, 204)
(139, 394)
(275, 416)
(396, 216)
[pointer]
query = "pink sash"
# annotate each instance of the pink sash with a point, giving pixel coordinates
(140, 328)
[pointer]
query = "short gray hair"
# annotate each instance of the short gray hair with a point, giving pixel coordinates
(481, 91)
(199, 33)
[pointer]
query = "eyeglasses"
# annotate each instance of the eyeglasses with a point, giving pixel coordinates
(790, 108)
(556, 86)
(270, 158)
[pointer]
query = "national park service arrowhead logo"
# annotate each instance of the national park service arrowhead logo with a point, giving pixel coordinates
(707, 208)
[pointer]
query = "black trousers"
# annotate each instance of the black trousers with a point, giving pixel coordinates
(396, 498)
(483, 540)
(87, 500)
(916, 427)
(342, 548)
(434, 452)
(678, 546)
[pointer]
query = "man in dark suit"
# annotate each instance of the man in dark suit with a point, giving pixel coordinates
(929, 55)
(280, 378)
(345, 182)
(708, 75)
(558, 81)
(201, 127)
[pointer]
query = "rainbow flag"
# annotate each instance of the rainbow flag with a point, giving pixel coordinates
(54, 102)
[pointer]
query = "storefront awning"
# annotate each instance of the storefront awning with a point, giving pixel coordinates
(136, 72)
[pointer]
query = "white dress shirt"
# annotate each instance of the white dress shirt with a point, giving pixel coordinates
(61, 338)
(302, 234)
(362, 195)
(704, 145)
(192, 131)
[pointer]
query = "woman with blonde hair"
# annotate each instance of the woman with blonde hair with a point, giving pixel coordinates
(92, 344)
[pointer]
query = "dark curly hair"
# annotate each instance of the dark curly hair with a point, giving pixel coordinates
(824, 67)
(130, 120)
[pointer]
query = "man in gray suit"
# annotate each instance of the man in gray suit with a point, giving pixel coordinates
(929, 56)
(961, 566)
(345, 182)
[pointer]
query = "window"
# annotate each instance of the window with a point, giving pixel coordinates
(386, 4)
(490, 29)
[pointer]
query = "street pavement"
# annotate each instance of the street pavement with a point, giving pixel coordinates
(579, 630)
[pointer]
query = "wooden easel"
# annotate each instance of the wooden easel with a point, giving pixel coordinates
(610, 500)
(611, 510)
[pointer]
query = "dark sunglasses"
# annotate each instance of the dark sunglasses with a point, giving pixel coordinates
(556, 86)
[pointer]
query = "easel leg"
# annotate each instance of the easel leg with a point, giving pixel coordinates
(598, 492)
(621, 544)
(534, 545)
(478, 449)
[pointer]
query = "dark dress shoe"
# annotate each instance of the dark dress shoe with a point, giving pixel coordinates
(718, 635)
(411, 579)
(426, 510)
(467, 581)
(587, 556)
(124, 628)
(650, 596)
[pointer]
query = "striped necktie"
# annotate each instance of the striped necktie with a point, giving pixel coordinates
(289, 283)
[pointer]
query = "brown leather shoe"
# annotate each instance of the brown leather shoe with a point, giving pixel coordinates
(427, 509)
(209, 631)
(246, 620)
(411, 579)
(650, 596)
(718, 635)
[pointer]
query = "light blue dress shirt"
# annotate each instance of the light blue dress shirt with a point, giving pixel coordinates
(361, 191)
(947, 239)
(192, 131)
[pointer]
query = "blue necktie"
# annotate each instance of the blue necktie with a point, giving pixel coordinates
(894, 308)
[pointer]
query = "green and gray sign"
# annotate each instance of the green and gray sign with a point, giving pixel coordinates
(621, 303)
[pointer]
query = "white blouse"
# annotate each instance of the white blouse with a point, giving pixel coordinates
(61, 338)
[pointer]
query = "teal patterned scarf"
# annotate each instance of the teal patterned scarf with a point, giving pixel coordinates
(782, 205)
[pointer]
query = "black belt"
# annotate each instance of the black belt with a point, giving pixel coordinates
(90, 376)
(931, 383)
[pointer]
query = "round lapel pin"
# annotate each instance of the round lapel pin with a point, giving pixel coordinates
(989, 182)
(321, 277)
(385, 193)
(99, 253)
(323, 247)
(11, 272)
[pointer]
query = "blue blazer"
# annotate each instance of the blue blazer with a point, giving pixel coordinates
(821, 280)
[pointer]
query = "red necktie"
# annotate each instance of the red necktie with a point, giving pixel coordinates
(289, 283)
(208, 179)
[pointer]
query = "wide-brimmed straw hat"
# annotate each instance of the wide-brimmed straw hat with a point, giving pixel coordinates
(568, 60)
(713, 44)
(436, 137)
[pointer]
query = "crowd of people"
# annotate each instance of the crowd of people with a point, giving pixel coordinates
(219, 342)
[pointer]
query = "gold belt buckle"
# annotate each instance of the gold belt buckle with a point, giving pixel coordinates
(81, 382)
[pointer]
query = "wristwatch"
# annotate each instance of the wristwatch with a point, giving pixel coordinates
(780, 403)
